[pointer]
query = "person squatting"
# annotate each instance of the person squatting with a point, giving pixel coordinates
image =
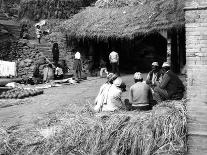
(161, 84)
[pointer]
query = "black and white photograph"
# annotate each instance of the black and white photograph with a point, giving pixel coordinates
(103, 77)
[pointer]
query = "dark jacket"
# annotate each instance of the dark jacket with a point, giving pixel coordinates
(172, 84)
(150, 75)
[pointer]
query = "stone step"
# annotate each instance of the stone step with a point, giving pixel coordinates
(43, 45)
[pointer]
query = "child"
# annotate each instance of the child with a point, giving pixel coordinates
(103, 68)
(38, 33)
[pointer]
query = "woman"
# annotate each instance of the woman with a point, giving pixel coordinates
(48, 73)
(55, 53)
(101, 98)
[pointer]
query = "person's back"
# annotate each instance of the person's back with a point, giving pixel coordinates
(113, 98)
(139, 94)
(48, 73)
(113, 57)
(174, 84)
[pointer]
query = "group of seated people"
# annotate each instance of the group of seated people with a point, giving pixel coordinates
(161, 84)
(50, 72)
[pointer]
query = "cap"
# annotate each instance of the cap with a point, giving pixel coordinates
(155, 64)
(117, 82)
(165, 64)
(138, 76)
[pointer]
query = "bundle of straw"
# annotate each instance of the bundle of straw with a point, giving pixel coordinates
(162, 130)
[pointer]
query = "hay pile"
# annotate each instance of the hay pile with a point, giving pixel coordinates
(163, 130)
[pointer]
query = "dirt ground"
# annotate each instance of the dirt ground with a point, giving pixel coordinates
(54, 99)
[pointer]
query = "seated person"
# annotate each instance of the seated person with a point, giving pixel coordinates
(101, 97)
(58, 73)
(170, 85)
(140, 95)
(154, 75)
(103, 68)
(48, 73)
(113, 97)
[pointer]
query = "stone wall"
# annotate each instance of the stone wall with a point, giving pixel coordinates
(196, 58)
(24, 54)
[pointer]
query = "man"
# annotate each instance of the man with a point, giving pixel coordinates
(113, 97)
(114, 60)
(140, 95)
(77, 66)
(170, 86)
(154, 75)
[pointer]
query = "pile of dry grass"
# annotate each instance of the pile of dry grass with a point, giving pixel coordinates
(162, 130)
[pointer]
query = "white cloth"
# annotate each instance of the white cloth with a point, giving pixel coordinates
(58, 71)
(77, 55)
(101, 97)
(114, 101)
(41, 23)
(113, 57)
(7, 68)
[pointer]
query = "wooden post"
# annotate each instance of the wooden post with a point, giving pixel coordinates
(166, 34)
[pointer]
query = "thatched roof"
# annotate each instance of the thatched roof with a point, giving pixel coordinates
(128, 20)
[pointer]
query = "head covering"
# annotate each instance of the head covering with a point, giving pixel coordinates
(117, 82)
(165, 64)
(155, 64)
(111, 77)
(138, 76)
(77, 55)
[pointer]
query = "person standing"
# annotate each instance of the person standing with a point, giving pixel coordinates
(77, 66)
(38, 33)
(114, 60)
(170, 85)
(55, 53)
(140, 95)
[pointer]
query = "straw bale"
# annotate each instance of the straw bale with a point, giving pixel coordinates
(162, 130)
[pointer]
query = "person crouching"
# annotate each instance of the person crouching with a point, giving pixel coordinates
(113, 97)
(140, 95)
(102, 95)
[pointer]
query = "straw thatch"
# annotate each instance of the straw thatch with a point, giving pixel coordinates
(160, 131)
(121, 20)
(45, 9)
